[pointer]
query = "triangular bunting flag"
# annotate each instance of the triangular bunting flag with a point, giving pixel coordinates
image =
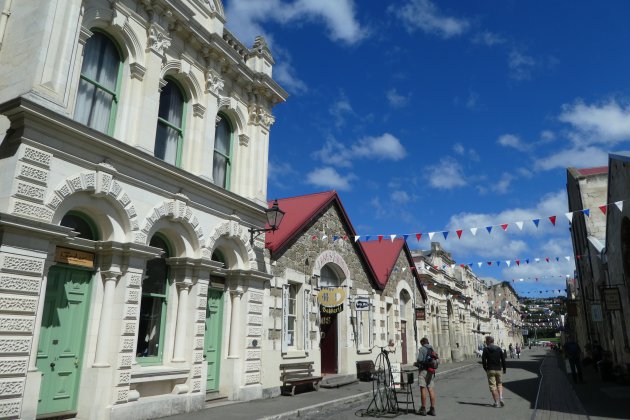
(508, 262)
(473, 231)
(405, 236)
(518, 262)
(536, 221)
(587, 212)
(445, 233)
(619, 205)
(479, 264)
(526, 260)
(345, 237)
(520, 225)
(367, 238)
(557, 259)
(357, 237)
(392, 237)
(569, 216)
(504, 226)
(335, 237)
(498, 263)
(380, 238)
(459, 233)
(418, 236)
(489, 229)
(314, 237)
(567, 258)
(547, 259)
(431, 235)
(489, 262)
(552, 219)
(603, 209)
(324, 237)
(537, 259)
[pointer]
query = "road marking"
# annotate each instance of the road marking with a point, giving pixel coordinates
(539, 387)
(457, 368)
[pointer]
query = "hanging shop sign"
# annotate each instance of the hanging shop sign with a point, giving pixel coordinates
(612, 299)
(362, 303)
(331, 300)
(421, 314)
(572, 309)
(596, 312)
(74, 257)
(330, 310)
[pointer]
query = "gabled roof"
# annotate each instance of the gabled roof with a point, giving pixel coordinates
(598, 170)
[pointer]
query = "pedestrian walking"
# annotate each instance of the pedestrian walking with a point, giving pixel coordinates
(426, 378)
(573, 352)
(511, 351)
(493, 361)
(518, 351)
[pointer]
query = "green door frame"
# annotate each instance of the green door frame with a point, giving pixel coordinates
(62, 338)
(213, 337)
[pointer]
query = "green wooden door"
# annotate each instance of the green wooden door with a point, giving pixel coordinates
(60, 352)
(214, 329)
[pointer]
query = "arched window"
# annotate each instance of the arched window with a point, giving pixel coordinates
(218, 257)
(153, 306)
(222, 159)
(328, 277)
(81, 224)
(170, 126)
(98, 94)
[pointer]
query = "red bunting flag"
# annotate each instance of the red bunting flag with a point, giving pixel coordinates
(552, 219)
(459, 233)
(603, 208)
(518, 262)
(547, 258)
(314, 237)
(504, 226)
(380, 238)
(489, 262)
(418, 236)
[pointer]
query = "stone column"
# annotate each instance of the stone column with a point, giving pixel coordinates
(182, 322)
(110, 278)
(38, 318)
(235, 321)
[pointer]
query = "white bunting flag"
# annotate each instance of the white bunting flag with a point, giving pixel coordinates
(473, 231)
(431, 235)
(520, 225)
(537, 259)
(619, 205)
(569, 216)
(392, 237)
(508, 262)
(356, 238)
(567, 258)
(479, 264)
(324, 237)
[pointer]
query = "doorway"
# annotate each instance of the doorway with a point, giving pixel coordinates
(62, 338)
(328, 343)
(213, 336)
(403, 340)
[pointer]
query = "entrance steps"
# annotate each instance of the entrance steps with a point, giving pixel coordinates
(337, 380)
(214, 399)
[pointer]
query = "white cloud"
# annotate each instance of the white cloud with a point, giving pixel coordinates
(400, 197)
(279, 172)
(340, 109)
(459, 149)
(424, 15)
(328, 177)
(488, 38)
(384, 147)
(606, 123)
(579, 157)
(285, 74)
(395, 99)
(246, 17)
(520, 65)
(513, 141)
(446, 174)
(503, 184)
(547, 136)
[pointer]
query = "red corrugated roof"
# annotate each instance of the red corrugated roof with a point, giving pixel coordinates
(382, 256)
(593, 171)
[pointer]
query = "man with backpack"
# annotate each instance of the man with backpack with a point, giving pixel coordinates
(427, 363)
(493, 360)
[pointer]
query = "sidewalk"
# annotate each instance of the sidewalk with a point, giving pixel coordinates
(302, 404)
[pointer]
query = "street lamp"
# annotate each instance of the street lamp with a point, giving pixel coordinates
(274, 217)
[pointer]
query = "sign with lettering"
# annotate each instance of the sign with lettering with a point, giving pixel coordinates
(330, 310)
(362, 303)
(421, 314)
(331, 297)
(612, 299)
(74, 257)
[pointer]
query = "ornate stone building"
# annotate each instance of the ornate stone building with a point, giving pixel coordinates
(505, 310)
(135, 162)
(315, 252)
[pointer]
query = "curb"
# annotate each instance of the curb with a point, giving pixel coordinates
(311, 409)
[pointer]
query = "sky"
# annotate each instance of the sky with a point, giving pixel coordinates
(431, 116)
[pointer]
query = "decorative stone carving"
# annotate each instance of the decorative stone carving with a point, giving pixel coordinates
(13, 366)
(196, 372)
(131, 311)
(133, 296)
(10, 408)
(11, 387)
(214, 82)
(259, 116)
(243, 140)
(199, 110)
(36, 156)
(255, 308)
(34, 211)
(15, 345)
(75, 183)
(14, 324)
(127, 344)
(253, 366)
(122, 395)
(252, 354)
(21, 264)
(129, 328)
(255, 296)
(16, 304)
(255, 319)
(158, 42)
(198, 343)
(197, 356)
(201, 328)
(196, 385)
(252, 378)
(134, 280)
(125, 360)
(124, 377)
(137, 71)
(32, 173)
(30, 191)
(201, 316)
(254, 331)
(19, 284)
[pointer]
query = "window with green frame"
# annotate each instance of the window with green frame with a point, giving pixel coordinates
(98, 94)
(222, 160)
(81, 224)
(170, 125)
(153, 306)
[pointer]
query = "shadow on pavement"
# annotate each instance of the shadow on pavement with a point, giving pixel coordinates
(473, 403)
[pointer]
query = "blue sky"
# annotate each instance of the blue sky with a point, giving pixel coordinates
(429, 116)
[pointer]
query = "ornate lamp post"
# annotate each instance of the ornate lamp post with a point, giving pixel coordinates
(274, 218)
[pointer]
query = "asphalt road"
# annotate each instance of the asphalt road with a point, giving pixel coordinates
(465, 394)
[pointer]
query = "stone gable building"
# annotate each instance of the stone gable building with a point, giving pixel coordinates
(134, 164)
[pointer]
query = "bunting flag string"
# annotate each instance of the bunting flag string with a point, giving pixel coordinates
(518, 262)
(460, 232)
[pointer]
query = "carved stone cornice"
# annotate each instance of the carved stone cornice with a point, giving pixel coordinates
(137, 71)
(158, 41)
(214, 82)
(243, 140)
(259, 116)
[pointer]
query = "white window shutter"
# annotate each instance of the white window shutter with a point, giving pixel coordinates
(305, 328)
(285, 317)
(371, 326)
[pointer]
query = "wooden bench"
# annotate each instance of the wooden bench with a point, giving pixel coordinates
(294, 374)
(365, 369)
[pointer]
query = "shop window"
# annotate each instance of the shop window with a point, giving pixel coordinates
(291, 316)
(153, 306)
(292, 331)
(170, 126)
(222, 157)
(99, 84)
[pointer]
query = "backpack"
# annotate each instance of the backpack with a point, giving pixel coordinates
(431, 361)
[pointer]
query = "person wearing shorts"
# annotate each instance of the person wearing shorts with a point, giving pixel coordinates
(493, 361)
(426, 379)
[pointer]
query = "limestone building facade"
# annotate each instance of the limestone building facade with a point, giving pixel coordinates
(135, 162)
